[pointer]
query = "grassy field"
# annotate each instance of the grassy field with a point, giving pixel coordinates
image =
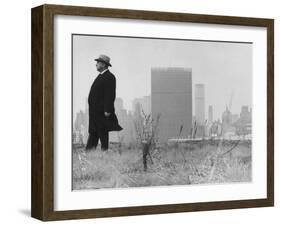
(169, 165)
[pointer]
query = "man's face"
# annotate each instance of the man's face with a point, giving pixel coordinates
(100, 66)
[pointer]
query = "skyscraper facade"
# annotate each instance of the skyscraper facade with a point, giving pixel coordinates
(171, 97)
(200, 104)
(210, 114)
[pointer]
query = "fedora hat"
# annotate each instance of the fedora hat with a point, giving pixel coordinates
(105, 59)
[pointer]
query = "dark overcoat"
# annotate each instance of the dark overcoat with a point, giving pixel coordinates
(101, 99)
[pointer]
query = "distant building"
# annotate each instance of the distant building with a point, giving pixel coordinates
(126, 122)
(145, 104)
(118, 104)
(227, 127)
(234, 118)
(245, 114)
(171, 97)
(81, 127)
(215, 129)
(244, 124)
(210, 114)
(200, 103)
(226, 117)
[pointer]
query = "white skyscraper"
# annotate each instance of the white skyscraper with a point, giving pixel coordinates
(210, 113)
(200, 103)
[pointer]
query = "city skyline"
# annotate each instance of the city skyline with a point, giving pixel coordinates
(235, 114)
(131, 109)
(233, 124)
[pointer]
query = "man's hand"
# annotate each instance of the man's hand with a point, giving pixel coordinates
(106, 114)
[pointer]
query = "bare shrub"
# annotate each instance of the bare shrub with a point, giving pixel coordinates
(146, 129)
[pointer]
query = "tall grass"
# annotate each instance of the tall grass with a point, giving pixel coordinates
(201, 165)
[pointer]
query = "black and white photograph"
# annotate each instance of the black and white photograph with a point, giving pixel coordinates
(139, 112)
(160, 112)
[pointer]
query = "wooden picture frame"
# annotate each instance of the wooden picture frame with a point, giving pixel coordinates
(42, 203)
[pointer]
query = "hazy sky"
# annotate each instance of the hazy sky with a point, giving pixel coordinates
(224, 68)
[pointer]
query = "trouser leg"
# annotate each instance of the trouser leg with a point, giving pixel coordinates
(92, 141)
(103, 135)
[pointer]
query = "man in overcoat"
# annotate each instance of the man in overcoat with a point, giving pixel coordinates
(102, 118)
